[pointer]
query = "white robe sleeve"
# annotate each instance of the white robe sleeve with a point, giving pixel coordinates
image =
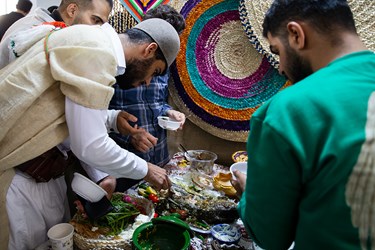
(91, 144)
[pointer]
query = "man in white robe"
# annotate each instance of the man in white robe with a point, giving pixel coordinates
(61, 86)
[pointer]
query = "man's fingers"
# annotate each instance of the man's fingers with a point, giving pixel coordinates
(127, 116)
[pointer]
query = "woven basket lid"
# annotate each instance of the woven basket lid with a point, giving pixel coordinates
(219, 79)
(253, 13)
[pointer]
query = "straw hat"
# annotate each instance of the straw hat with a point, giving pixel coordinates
(219, 78)
(253, 13)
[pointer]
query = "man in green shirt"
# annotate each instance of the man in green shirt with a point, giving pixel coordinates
(311, 166)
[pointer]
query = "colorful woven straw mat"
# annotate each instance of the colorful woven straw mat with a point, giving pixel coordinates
(138, 8)
(219, 79)
(253, 13)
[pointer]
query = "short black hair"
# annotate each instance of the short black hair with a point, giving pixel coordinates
(324, 15)
(24, 5)
(138, 36)
(169, 14)
(52, 8)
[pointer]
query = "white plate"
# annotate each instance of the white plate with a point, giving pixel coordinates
(87, 189)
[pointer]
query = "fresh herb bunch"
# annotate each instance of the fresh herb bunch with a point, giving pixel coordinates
(123, 213)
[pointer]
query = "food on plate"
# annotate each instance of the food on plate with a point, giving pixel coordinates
(204, 203)
(240, 156)
(222, 183)
(148, 192)
(202, 180)
(182, 163)
(115, 228)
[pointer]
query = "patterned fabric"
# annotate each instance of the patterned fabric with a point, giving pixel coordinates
(146, 103)
(138, 8)
(120, 18)
(219, 78)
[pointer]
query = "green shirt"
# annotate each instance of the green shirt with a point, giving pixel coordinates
(302, 147)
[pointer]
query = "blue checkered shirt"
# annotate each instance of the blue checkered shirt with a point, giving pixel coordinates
(146, 103)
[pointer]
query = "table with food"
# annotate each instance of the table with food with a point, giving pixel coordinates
(198, 212)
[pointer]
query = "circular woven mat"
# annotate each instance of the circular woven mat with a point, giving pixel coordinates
(253, 13)
(219, 79)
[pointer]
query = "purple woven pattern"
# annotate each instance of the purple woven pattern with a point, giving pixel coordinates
(218, 76)
(213, 78)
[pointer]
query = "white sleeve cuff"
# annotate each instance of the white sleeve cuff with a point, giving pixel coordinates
(111, 122)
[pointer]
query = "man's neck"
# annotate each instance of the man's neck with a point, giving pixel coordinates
(56, 16)
(21, 12)
(328, 52)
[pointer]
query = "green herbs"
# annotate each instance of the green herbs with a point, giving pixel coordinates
(124, 212)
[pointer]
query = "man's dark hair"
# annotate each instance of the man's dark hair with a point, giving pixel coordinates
(323, 15)
(52, 8)
(24, 5)
(169, 14)
(139, 37)
(84, 4)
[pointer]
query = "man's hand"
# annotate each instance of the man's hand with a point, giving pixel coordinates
(157, 177)
(178, 116)
(109, 185)
(240, 183)
(123, 126)
(143, 140)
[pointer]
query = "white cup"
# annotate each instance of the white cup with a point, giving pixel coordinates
(61, 236)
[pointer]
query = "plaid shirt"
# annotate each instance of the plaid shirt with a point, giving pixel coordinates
(146, 103)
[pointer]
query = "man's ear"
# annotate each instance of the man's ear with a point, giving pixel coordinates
(72, 10)
(150, 50)
(296, 35)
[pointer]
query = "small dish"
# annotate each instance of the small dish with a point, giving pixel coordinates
(239, 156)
(167, 123)
(240, 166)
(87, 189)
(226, 234)
(222, 183)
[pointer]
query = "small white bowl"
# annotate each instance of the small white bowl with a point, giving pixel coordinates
(167, 123)
(240, 166)
(87, 189)
(226, 233)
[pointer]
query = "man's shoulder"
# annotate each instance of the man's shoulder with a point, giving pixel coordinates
(90, 35)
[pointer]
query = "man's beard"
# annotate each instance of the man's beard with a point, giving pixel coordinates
(296, 68)
(135, 73)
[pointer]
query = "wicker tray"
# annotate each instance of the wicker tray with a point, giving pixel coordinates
(85, 243)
